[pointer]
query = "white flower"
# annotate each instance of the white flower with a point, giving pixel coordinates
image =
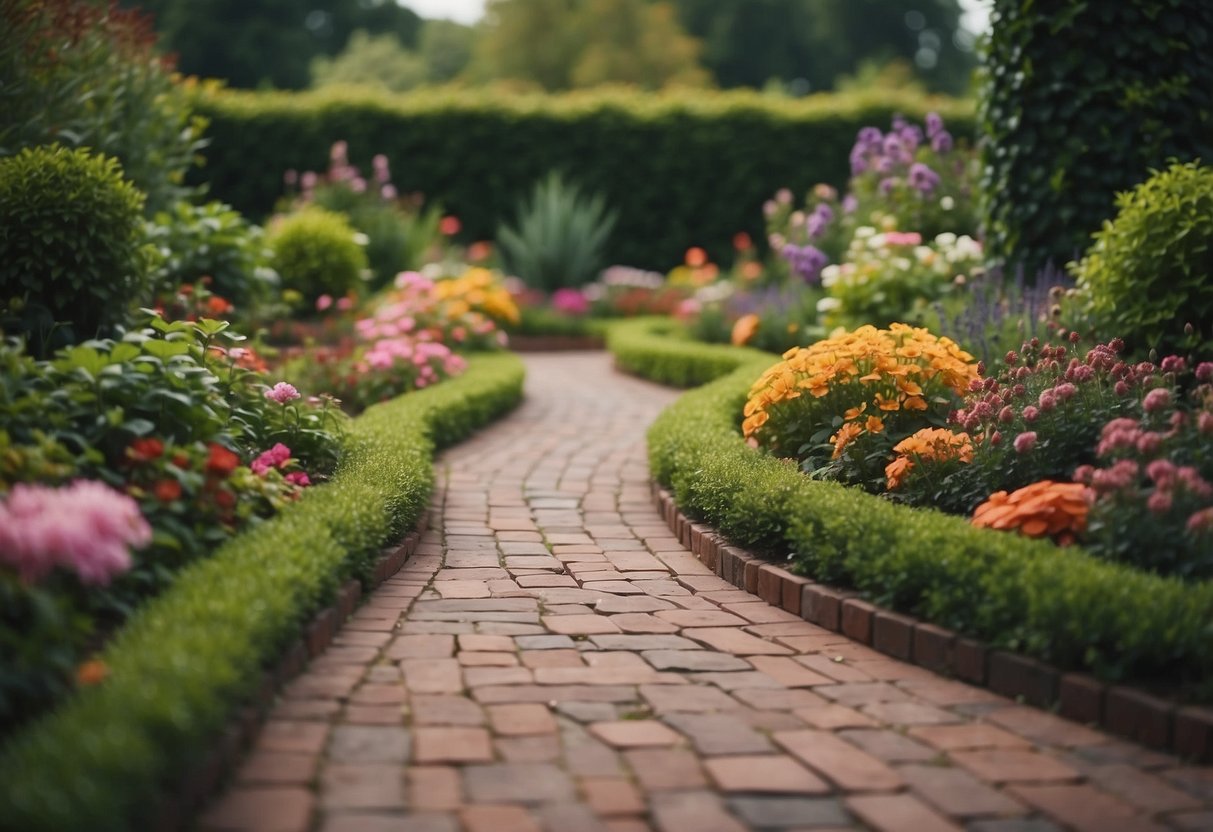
(945, 239)
(360, 238)
(864, 231)
(947, 203)
(828, 304)
(829, 275)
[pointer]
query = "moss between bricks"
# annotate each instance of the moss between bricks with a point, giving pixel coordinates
(188, 658)
(1062, 606)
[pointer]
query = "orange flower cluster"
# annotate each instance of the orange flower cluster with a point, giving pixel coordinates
(1043, 509)
(865, 377)
(477, 290)
(928, 443)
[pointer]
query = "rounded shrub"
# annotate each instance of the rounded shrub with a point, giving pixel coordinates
(1150, 270)
(71, 256)
(317, 252)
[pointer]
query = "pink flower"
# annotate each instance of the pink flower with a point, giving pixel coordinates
(1030, 414)
(570, 301)
(85, 527)
(282, 393)
(1201, 521)
(345, 304)
(323, 302)
(1159, 502)
(902, 238)
(1173, 364)
(299, 478)
(1156, 400)
(1025, 442)
(275, 457)
(1162, 472)
(1006, 415)
(1204, 422)
(1148, 444)
(1204, 371)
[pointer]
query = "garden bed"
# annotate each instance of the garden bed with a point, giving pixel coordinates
(998, 591)
(189, 659)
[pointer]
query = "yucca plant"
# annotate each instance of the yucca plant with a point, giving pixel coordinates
(559, 235)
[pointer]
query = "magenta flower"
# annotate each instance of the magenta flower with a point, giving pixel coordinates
(299, 478)
(275, 457)
(85, 527)
(282, 393)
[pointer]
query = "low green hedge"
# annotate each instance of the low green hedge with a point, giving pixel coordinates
(682, 169)
(186, 660)
(660, 350)
(1062, 606)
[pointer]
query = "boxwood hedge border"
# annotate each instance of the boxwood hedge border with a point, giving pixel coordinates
(185, 663)
(1064, 611)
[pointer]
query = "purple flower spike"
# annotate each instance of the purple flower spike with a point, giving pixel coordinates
(941, 142)
(922, 178)
(934, 124)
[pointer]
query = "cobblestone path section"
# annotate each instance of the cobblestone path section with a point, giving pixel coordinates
(553, 659)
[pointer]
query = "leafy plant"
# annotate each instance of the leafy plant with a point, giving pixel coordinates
(1150, 270)
(85, 74)
(559, 235)
(1077, 103)
(211, 240)
(316, 252)
(70, 243)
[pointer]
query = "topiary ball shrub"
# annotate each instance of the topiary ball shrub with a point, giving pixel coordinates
(1150, 271)
(71, 255)
(316, 252)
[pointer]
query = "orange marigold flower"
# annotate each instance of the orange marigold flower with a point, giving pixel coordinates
(928, 443)
(696, 257)
(92, 672)
(744, 329)
(1043, 509)
(846, 434)
(874, 424)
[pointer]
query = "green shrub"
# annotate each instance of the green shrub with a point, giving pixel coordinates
(70, 231)
(558, 236)
(682, 169)
(1061, 605)
(188, 659)
(1080, 99)
(211, 240)
(316, 252)
(659, 349)
(1150, 270)
(86, 74)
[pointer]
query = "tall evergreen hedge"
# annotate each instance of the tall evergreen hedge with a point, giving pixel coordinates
(685, 169)
(1081, 100)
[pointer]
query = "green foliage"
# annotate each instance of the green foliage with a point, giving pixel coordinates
(371, 60)
(1150, 270)
(681, 170)
(1060, 605)
(659, 349)
(558, 237)
(70, 229)
(85, 74)
(1078, 104)
(316, 253)
(187, 660)
(210, 240)
(270, 42)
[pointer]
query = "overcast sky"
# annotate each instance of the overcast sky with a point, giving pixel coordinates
(469, 11)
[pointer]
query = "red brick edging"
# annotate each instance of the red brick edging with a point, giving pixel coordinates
(556, 343)
(177, 806)
(1122, 710)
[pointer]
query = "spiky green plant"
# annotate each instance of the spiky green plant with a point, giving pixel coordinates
(559, 235)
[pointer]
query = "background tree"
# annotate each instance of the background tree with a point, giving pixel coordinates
(371, 60)
(252, 43)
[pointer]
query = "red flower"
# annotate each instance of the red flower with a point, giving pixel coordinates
(742, 241)
(145, 449)
(225, 499)
(167, 490)
(450, 226)
(181, 459)
(221, 462)
(216, 305)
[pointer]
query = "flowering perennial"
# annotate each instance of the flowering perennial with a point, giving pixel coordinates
(873, 379)
(1043, 509)
(85, 527)
(937, 444)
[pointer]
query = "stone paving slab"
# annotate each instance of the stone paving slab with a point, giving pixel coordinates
(553, 660)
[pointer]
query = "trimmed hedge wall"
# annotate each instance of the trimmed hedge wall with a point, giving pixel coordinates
(660, 350)
(682, 170)
(1062, 606)
(184, 661)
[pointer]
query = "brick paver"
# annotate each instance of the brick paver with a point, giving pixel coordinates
(552, 659)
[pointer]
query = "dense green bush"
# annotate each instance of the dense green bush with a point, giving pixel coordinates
(187, 659)
(1063, 606)
(659, 349)
(70, 242)
(316, 252)
(681, 169)
(1150, 271)
(210, 240)
(1080, 100)
(86, 74)
(558, 236)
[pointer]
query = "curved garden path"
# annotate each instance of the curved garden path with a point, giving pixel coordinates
(552, 659)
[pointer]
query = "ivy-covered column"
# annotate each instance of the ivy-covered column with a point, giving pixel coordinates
(1081, 99)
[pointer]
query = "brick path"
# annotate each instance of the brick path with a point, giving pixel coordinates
(552, 659)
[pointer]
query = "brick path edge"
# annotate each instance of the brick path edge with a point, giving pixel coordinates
(1079, 697)
(202, 782)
